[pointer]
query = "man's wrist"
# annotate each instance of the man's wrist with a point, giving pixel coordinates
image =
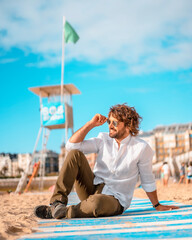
(156, 205)
(90, 125)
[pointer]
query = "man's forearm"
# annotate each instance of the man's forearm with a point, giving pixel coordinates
(155, 202)
(96, 121)
(81, 133)
(153, 197)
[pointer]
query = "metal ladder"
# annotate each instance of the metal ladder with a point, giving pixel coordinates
(23, 180)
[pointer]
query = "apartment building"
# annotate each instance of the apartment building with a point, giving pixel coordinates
(8, 165)
(12, 165)
(169, 141)
(51, 161)
(23, 160)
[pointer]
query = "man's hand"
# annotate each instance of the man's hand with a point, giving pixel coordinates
(79, 136)
(165, 207)
(154, 200)
(98, 120)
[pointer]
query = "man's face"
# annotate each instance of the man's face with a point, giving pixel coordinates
(118, 132)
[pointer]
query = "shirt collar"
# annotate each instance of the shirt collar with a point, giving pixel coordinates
(125, 140)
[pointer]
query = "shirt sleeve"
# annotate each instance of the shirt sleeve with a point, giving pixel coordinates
(91, 145)
(145, 169)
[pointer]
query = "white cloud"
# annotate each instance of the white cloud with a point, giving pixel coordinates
(136, 32)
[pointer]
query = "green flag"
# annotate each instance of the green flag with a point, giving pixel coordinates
(70, 34)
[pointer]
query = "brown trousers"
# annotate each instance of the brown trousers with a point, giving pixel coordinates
(76, 170)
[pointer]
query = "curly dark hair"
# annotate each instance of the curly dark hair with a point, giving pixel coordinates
(128, 115)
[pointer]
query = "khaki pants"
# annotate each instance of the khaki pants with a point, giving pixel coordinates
(76, 170)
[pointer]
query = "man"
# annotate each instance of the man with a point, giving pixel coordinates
(121, 158)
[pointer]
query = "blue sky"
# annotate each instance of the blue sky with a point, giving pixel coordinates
(133, 51)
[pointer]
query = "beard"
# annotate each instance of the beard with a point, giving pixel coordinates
(113, 133)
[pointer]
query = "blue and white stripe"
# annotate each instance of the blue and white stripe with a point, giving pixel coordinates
(141, 220)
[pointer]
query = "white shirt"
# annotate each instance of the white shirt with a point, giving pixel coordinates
(119, 168)
(165, 169)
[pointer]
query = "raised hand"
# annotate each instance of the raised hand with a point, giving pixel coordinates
(80, 134)
(98, 120)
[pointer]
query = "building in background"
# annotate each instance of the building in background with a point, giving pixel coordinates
(170, 143)
(51, 161)
(12, 165)
(169, 140)
(8, 165)
(23, 160)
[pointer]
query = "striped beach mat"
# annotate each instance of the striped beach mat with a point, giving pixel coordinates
(141, 220)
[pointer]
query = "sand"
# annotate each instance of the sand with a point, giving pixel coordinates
(174, 192)
(16, 212)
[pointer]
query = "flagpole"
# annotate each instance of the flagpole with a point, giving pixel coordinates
(62, 81)
(72, 37)
(62, 63)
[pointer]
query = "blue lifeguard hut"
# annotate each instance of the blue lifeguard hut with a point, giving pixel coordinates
(56, 112)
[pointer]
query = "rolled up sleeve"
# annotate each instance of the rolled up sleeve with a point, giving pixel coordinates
(87, 146)
(145, 169)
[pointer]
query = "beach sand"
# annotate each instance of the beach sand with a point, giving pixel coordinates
(16, 212)
(174, 192)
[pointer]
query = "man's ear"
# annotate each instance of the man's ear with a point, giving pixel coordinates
(127, 130)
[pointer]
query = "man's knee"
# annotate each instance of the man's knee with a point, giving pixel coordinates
(103, 205)
(75, 157)
(74, 152)
(97, 204)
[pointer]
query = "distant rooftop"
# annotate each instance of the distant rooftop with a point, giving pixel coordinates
(146, 134)
(173, 128)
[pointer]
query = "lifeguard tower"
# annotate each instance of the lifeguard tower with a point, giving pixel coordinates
(56, 109)
(56, 112)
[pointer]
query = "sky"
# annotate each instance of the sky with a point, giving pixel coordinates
(137, 52)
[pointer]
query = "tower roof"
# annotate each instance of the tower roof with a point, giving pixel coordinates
(55, 90)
